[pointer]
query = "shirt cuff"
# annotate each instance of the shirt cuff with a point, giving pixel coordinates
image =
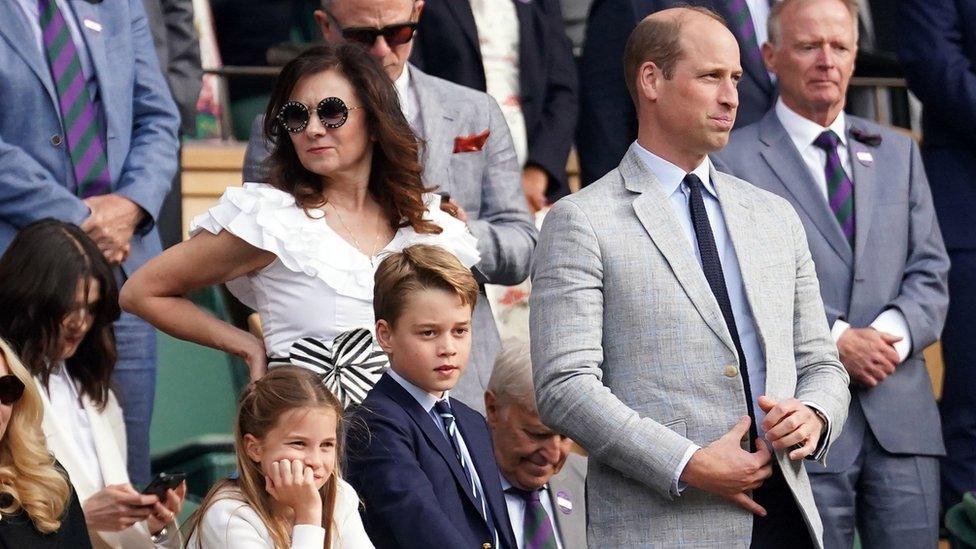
(677, 485)
(821, 450)
(307, 535)
(838, 329)
(892, 321)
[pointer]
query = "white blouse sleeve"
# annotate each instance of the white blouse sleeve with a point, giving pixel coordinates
(232, 524)
(454, 235)
(350, 533)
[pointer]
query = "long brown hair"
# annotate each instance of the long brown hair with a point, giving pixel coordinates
(262, 404)
(394, 177)
(39, 277)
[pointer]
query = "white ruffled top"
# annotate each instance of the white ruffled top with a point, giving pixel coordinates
(319, 285)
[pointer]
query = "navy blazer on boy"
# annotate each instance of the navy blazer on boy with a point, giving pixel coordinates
(414, 491)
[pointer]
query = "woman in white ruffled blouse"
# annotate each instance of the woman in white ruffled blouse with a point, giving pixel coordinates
(345, 188)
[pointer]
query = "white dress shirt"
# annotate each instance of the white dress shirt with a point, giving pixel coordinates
(803, 132)
(516, 512)
(409, 103)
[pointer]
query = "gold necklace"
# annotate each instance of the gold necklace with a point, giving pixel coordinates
(355, 241)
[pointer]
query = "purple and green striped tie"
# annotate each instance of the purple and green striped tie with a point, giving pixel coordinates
(742, 20)
(537, 531)
(840, 188)
(82, 133)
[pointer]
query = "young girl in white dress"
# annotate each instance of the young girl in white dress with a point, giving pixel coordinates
(301, 250)
(289, 493)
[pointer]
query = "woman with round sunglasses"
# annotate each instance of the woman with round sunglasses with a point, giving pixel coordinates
(38, 508)
(65, 298)
(345, 188)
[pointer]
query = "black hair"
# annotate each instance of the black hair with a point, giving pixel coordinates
(39, 277)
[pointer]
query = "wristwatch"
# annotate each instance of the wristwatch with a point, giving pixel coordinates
(160, 536)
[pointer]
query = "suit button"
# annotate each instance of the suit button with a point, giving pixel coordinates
(485, 546)
(56, 140)
(731, 371)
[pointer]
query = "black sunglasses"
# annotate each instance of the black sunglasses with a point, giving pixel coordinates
(11, 389)
(395, 35)
(332, 112)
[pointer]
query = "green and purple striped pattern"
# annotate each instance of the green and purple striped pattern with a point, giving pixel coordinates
(840, 188)
(82, 134)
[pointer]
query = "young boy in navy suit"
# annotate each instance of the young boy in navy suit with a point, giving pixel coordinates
(422, 462)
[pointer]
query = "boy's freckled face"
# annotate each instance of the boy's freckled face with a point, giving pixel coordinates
(430, 342)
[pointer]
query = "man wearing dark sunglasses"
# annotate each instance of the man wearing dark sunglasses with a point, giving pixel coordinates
(468, 155)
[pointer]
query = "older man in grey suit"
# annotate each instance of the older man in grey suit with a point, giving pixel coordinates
(468, 155)
(542, 479)
(864, 200)
(676, 309)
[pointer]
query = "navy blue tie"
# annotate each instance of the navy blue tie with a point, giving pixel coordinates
(712, 266)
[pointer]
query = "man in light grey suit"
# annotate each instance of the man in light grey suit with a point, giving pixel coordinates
(676, 309)
(542, 480)
(884, 289)
(468, 154)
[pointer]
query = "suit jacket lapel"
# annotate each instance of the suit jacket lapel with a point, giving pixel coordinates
(465, 18)
(481, 451)
(655, 214)
(747, 243)
(437, 121)
(60, 444)
(865, 184)
(782, 157)
(433, 435)
(110, 459)
(17, 32)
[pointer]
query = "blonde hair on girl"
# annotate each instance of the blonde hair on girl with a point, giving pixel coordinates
(27, 471)
(262, 404)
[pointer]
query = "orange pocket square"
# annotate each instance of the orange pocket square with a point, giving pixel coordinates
(471, 143)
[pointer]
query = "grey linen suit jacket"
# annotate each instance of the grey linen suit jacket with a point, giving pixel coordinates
(567, 490)
(898, 261)
(486, 183)
(631, 354)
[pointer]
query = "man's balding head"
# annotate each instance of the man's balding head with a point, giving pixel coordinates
(682, 69)
(658, 39)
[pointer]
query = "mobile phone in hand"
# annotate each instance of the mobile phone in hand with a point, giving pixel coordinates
(163, 482)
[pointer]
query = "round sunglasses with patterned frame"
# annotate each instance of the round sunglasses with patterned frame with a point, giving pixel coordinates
(332, 112)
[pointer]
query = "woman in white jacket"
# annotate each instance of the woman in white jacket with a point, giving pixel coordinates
(289, 492)
(64, 298)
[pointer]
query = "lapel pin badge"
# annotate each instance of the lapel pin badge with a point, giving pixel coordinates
(564, 503)
(93, 25)
(864, 157)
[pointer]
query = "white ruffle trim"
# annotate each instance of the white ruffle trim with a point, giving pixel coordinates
(269, 219)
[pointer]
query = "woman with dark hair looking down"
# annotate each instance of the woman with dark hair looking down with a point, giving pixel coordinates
(62, 293)
(345, 188)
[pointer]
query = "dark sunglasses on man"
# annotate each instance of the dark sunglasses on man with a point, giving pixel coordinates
(332, 113)
(11, 389)
(395, 35)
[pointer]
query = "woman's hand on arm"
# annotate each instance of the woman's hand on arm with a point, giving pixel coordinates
(155, 293)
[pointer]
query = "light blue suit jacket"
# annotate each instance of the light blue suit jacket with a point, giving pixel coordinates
(138, 114)
(898, 261)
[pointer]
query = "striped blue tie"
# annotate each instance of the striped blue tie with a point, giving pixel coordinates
(443, 409)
